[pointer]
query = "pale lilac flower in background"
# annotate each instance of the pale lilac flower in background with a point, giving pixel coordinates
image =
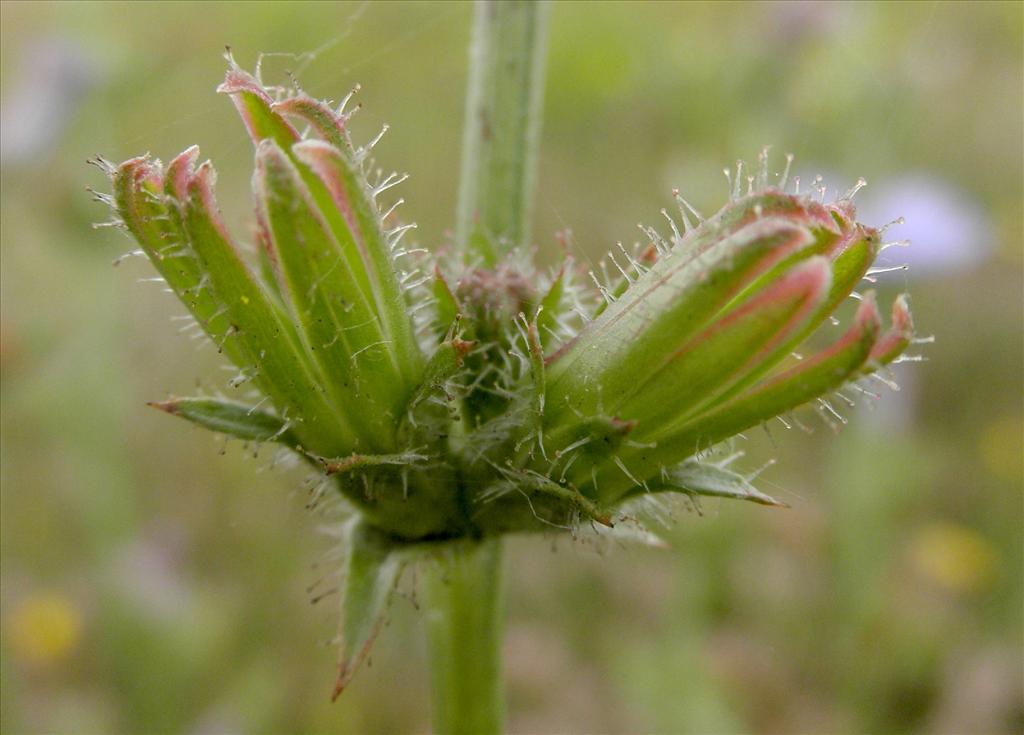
(937, 227)
(797, 21)
(947, 230)
(941, 230)
(52, 79)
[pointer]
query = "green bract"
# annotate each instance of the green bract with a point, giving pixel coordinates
(460, 398)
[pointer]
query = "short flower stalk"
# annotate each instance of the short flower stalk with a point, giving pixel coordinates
(452, 400)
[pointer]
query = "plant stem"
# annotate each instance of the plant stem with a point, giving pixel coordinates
(463, 617)
(499, 160)
(502, 126)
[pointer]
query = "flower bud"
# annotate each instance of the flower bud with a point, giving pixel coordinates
(690, 353)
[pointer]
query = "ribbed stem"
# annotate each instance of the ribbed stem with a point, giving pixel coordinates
(502, 126)
(463, 618)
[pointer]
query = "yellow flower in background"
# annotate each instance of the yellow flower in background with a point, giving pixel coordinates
(44, 628)
(954, 557)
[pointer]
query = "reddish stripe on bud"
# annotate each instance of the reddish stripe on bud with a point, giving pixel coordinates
(179, 172)
(323, 159)
(898, 336)
(811, 378)
(200, 188)
(808, 282)
(134, 173)
(254, 106)
(329, 126)
(237, 80)
(733, 351)
(866, 323)
(676, 296)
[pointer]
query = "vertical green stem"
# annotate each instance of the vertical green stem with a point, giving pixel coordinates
(463, 617)
(502, 126)
(499, 160)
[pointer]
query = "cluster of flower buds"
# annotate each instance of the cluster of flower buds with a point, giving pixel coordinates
(700, 345)
(449, 398)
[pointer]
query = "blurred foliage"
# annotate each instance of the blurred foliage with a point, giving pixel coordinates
(155, 580)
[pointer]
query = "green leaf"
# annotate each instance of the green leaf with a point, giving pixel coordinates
(446, 305)
(701, 478)
(353, 462)
(239, 420)
(443, 364)
(532, 484)
(535, 353)
(550, 308)
(627, 531)
(372, 567)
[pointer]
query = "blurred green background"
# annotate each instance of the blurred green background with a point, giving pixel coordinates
(155, 577)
